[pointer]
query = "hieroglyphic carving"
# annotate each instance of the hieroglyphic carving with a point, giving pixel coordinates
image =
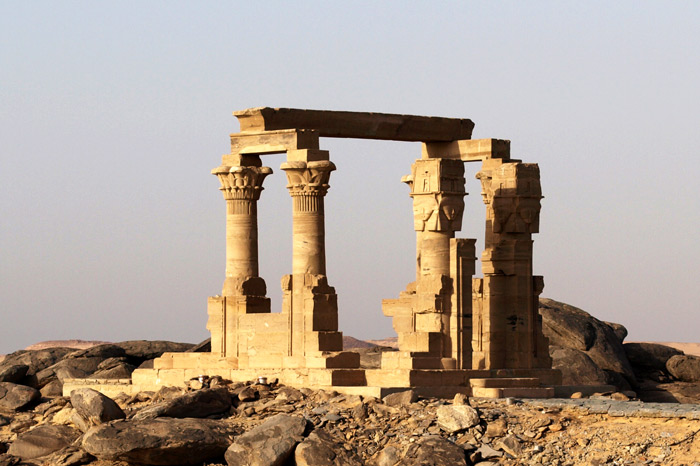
(437, 189)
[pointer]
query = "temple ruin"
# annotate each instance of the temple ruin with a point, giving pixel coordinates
(456, 333)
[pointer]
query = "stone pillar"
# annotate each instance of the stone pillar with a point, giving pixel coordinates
(422, 316)
(241, 187)
(309, 300)
(510, 333)
(243, 291)
(308, 184)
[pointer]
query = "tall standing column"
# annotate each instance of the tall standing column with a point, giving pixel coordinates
(308, 184)
(241, 187)
(243, 291)
(311, 304)
(437, 189)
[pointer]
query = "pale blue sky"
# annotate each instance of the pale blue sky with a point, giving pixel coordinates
(112, 114)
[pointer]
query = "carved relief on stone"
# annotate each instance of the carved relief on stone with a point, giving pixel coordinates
(241, 183)
(512, 194)
(437, 189)
(308, 177)
(307, 183)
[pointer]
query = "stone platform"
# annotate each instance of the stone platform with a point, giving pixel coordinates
(175, 369)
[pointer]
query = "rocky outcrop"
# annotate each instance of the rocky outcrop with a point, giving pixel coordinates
(197, 404)
(42, 440)
(456, 418)
(162, 441)
(94, 408)
(319, 449)
(576, 367)
(269, 444)
(138, 351)
(13, 373)
(14, 396)
(570, 327)
(35, 361)
(684, 367)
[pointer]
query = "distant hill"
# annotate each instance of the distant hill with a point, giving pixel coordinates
(77, 344)
(354, 343)
(391, 342)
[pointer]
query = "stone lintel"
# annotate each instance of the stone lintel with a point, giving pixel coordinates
(468, 150)
(273, 142)
(360, 125)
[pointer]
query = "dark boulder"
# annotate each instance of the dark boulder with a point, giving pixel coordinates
(649, 356)
(434, 451)
(320, 449)
(576, 367)
(101, 352)
(138, 351)
(203, 347)
(162, 441)
(570, 327)
(42, 440)
(15, 397)
(197, 404)
(269, 444)
(94, 408)
(13, 373)
(35, 360)
(684, 367)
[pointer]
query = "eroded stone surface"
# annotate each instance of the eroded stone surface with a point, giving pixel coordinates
(162, 441)
(269, 444)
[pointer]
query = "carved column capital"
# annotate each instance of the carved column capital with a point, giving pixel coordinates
(512, 194)
(307, 183)
(437, 189)
(241, 183)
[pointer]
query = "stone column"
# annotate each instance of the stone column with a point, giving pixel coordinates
(437, 189)
(310, 302)
(243, 291)
(510, 333)
(241, 187)
(308, 184)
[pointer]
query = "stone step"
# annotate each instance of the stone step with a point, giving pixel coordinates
(514, 392)
(505, 382)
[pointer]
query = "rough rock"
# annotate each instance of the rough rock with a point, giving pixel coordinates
(42, 440)
(8, 460)
(510, 444)
(319, 449)
(388, 456)
(102, 352)
(269, 444)
(94, 407)
(398, 399)
(684, 367)
(15, 396)
(203, 347)
(35, 361)
(649, 356)
(434, 451)
(619, 329)
(196, 404)
(121, 370)
(138, 351)
(571, 327)
(576, 367)
(69, 456)
(456, 418)
(13, 373)
(68, 368)
(162, 441)
(52, 389)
